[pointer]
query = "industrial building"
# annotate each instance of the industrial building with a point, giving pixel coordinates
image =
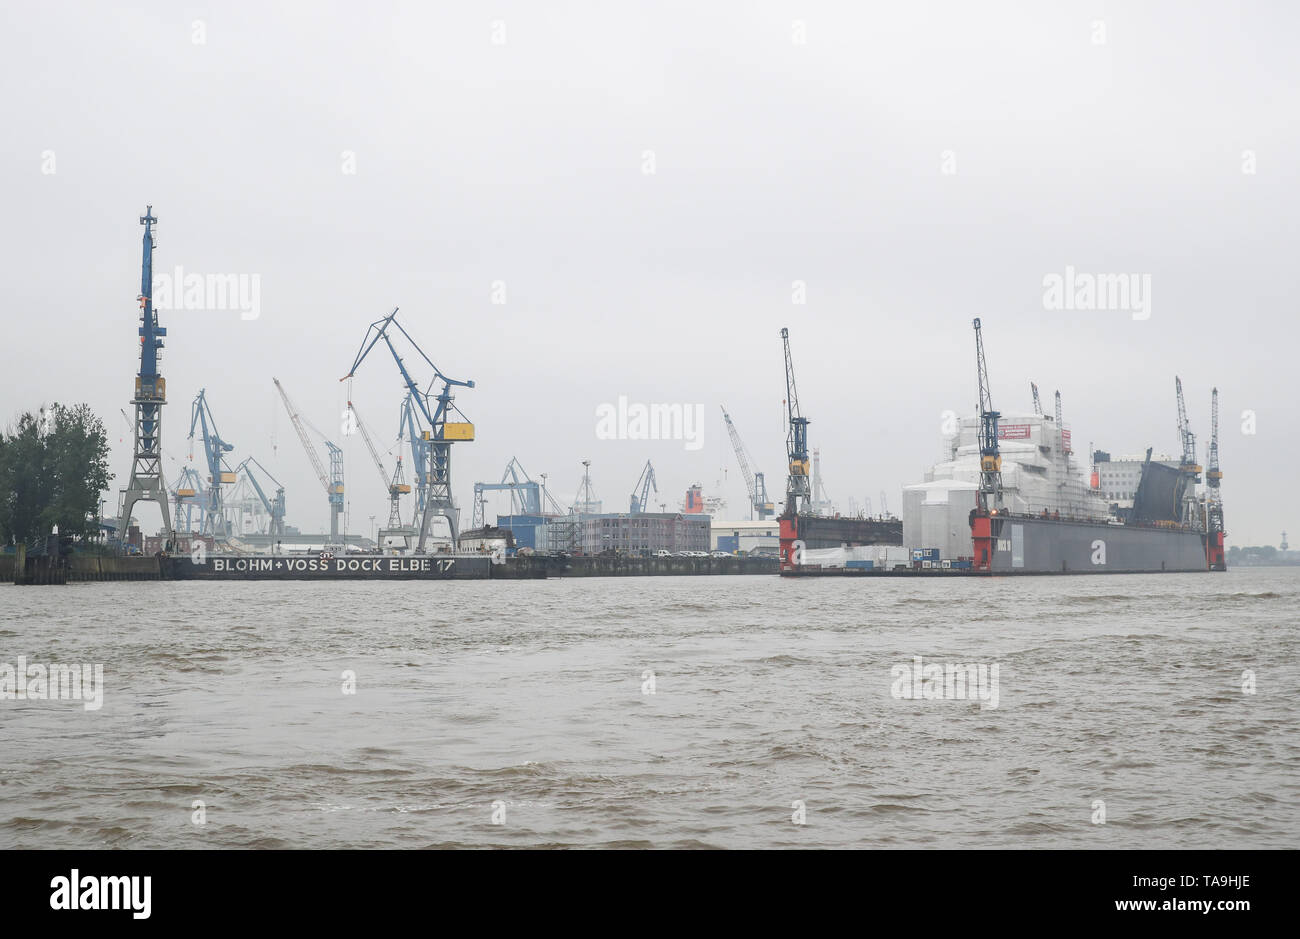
(746, 536)
(1118, 478)
(643, 533)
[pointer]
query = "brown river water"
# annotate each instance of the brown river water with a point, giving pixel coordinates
(736, 712)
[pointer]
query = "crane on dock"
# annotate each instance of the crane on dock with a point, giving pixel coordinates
(798, 491)
(640, 501)
(274, 507)
(1066, 447)
(188, 495)
(990, 455)
(395, 485)
(1214, 499)
(333, 483)
(755, 485)
(219, 474)
(442, 432)
(146, 483)
(1190, 469)
(525, 493)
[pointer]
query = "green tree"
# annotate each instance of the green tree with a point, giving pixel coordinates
(52, 470)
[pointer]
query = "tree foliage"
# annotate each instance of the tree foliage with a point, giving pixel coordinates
(53, 466)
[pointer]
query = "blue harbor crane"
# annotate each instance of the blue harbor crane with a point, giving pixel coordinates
(525, 493)
(146, 481)
(437, 410)
(188, 495)
(214, 450)
(990, 455)
(274, 508)
(641, 493)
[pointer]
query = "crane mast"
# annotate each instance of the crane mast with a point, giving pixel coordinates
(146, 482)
(990, 456)
(798, 491)
(1213, 476)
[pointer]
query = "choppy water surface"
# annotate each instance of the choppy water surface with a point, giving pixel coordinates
(1125, 689)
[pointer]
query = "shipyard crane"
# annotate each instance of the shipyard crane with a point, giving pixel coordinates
(442, 432)
(214, 450)
(188, 495)
(275, 507)
(1060, 428)
(641, 492)
(1188, 464)
(884, 505)
(798, 491)
(755, 484)
(1213, 477)
(333, 483)
(1038, 404)
(146, 482)
(525, 493)
(396, 486)
(990, 456)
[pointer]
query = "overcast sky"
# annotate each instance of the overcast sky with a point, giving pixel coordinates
(914, 165)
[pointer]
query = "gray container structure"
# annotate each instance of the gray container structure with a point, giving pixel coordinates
(1044, 545)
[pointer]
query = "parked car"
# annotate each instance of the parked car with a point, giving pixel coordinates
(663, 553)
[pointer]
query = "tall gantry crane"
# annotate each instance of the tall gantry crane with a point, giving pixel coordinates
(219, 474)
(274, 508)
(396, 485)
(640, 501)
(146, 483)
(755, 484)
(1190, 469)
(798, 489)
(333, 483)
(990, 456)
(442, 432)
(1066, 447)
(1038, 404)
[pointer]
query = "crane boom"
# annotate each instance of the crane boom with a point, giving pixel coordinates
(754, 482)
(641, 493)
(302, 436)
(1038, 404)
(370, 445)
